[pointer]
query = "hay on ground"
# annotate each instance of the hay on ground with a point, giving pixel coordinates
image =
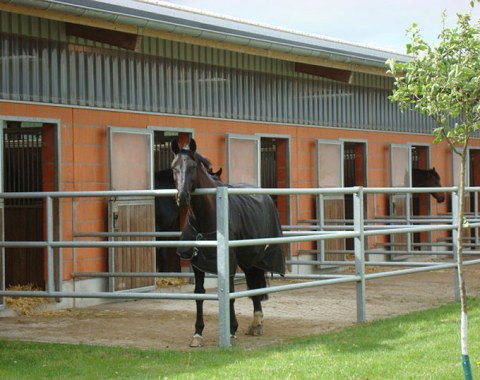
(25, 305)
(171, 281)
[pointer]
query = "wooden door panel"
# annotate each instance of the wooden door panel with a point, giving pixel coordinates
(132, 216)
(334, 209)
(399, 241)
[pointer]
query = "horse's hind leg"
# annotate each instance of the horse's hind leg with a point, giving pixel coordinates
(233, 317)
(197, 340)
(255, 280)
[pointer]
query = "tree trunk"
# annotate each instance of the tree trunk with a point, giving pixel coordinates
(463, 292)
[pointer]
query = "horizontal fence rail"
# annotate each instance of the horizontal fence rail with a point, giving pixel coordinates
(366, 232)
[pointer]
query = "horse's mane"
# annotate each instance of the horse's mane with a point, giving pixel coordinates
(431, 171)
(207, 164)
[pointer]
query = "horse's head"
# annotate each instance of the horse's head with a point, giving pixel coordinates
(184, 167)
(434, 181)
(428, 178)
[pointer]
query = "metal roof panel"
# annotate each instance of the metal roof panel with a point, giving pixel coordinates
(172, 18)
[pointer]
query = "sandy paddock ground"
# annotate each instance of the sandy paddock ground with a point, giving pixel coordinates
(168, 324)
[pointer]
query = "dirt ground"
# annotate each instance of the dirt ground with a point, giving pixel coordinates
(168, 324)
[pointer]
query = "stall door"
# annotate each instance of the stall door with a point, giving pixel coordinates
(23, 156)
(243, 154)
(354, 174)
(331, 208)
(275, 167)
(131, 165)
(261, 162)
(400, 176)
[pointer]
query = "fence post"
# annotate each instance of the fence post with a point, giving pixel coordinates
(50, 265)
(456, 224)
(408, 213)
(359, 245)
(475, 216)
(321, 224)
(223, 289)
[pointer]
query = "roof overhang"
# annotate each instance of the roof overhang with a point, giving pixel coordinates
(171, 22)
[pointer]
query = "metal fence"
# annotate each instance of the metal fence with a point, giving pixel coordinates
(360, 229)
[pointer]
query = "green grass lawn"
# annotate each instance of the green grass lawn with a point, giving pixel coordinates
(421, 345)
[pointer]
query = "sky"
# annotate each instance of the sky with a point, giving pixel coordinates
(376, 23)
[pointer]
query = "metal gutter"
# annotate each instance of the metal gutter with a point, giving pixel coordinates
(172, 19)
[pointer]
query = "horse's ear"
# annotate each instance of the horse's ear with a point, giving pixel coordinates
(175, 147)
(192, 145)
(219, 172)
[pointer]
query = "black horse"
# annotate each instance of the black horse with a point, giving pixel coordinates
(251, 216)
(167, 214)
(428, 178)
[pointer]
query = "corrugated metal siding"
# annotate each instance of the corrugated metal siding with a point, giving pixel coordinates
(38, 63)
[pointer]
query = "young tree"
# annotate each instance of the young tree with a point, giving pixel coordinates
(443, 82)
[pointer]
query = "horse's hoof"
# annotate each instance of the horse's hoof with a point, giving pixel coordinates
(233, 340)
(255, 330)
(197, 341)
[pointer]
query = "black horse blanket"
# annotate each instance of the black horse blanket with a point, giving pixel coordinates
(251, 217)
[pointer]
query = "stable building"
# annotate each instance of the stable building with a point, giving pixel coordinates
(93, 92)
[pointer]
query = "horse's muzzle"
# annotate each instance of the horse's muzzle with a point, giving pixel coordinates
(183, 199)
(440, 197)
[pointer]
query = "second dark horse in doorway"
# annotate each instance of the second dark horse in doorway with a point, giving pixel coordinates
(428, 178)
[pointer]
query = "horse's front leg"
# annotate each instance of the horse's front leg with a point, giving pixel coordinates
(197, 340)
(256, 280)
(233, 317)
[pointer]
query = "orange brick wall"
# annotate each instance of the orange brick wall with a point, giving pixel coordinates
(84, 158)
